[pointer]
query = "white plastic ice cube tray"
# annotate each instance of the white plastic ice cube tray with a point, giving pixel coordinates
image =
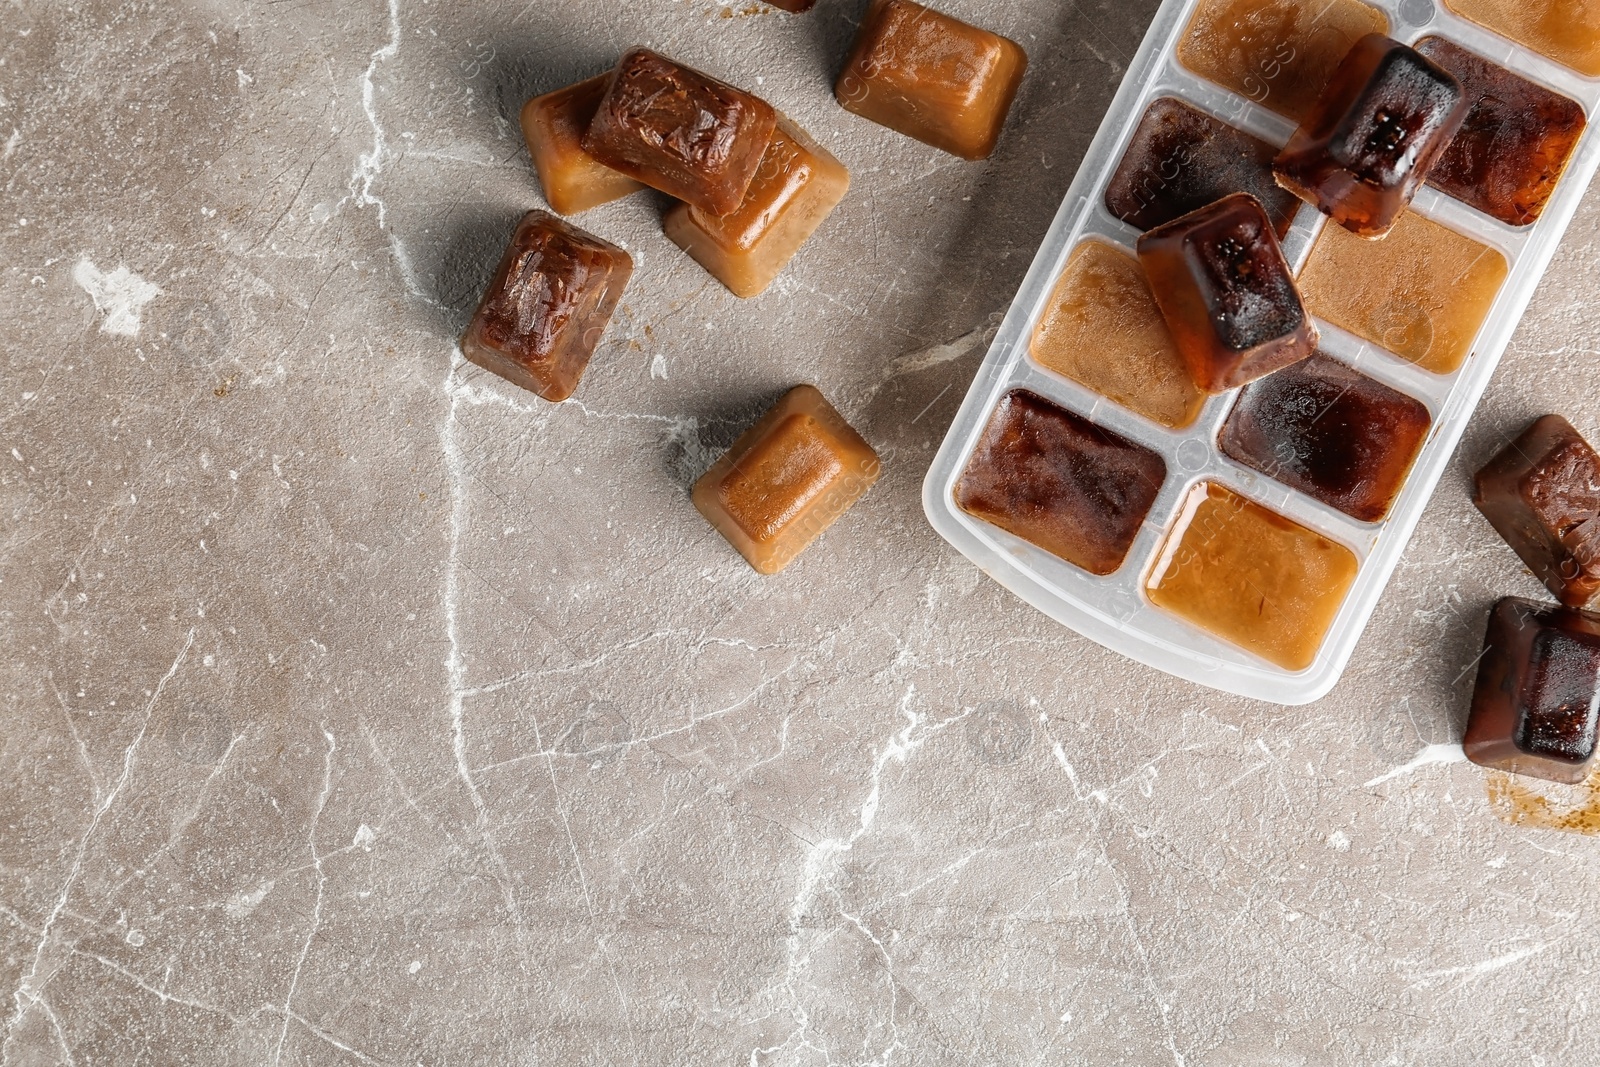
(1115, 610)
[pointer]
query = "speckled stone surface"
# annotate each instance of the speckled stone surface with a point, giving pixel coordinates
(359, 708)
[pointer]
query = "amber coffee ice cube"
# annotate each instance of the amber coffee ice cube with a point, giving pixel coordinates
(786, 480)
(547, 306)
(1364, 150)
(797, 186)
(1181, 159)
(1058, 480)
(1252, 577)
(1278, 53)
(1330, 432)
(680, 131)
(553, 125)
(1515, 144)
(1542, 493)
(1227, 293)
(929, 76)
(1567, 31)
(1103, 330)
(1424, 292)
(1536, 706)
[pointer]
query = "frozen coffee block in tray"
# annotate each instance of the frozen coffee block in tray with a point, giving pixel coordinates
(547, 306)
(682, 132)
(797, 186)
(1278, 53)
(1424, 292)
(1103, 330)
(1181, 159)
(1252, 576)
(1515, 144)
(1330, 432)
(553, 125)
(1567, 31)
(1057, 480)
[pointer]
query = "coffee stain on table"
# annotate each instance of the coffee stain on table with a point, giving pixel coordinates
(1573, 809)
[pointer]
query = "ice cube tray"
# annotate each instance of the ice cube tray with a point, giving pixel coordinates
(1116, 610)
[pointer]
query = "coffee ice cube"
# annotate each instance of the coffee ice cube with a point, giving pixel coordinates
(1279, 53)
(1228, 294)
(1424, 292)
(1567, 31)
(1515, 143)
(1102, 329)
(547, 306)
(1364, 150)
(1252, 577)
(797, 186)
(1542, 493)
(1536, 706)
(929, 76)
(1330, 432)
(680, 131)
(786, 480)
(1181, 159)
(553, 125)
(1059, 481)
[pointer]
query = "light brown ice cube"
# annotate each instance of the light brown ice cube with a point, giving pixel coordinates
(797, 186)
(943, 81)
(1568, 31)
(1102, 328)
(1422, 293)
(1252, 577)
(786, 480)
(553, 126)
(1279, 53)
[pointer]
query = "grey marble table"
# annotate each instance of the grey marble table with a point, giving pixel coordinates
(360, 708)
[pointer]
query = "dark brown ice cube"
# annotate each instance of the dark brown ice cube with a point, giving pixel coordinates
(1536, 707)
(1227, 293)
(1365, 149)
(1331, 433)
(1058, 480)
(680, 131)
(548, 306)
(1181, 159)
(1542, 493)
(1515, 143)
